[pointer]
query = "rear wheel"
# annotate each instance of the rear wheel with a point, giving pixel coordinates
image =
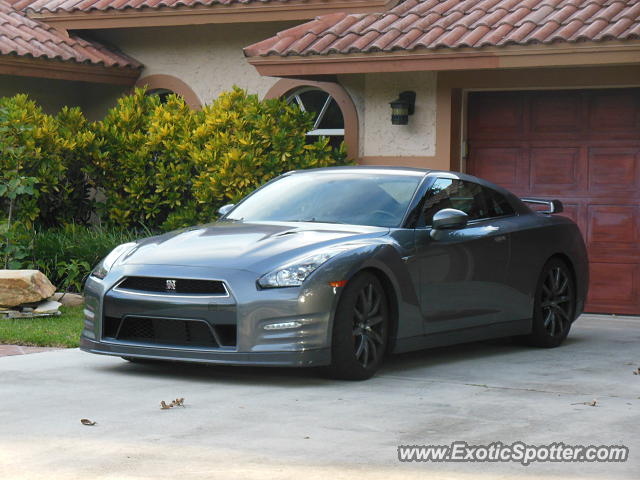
(554, 307)
(360, 330)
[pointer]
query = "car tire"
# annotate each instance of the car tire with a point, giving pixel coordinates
(360, 329)
(554, 305)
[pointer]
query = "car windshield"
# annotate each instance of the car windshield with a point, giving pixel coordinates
(355, 198)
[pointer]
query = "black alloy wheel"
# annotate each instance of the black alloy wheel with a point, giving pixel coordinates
(369, 326)
(360, 330)
(555, 305)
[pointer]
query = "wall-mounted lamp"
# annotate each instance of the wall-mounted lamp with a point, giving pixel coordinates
(402, 107)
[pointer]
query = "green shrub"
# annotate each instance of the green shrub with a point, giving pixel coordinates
(141, 160)
(242, 142)
(14, 234)
(67, 254)
(158, 165)
(73, 201)
(50, 149)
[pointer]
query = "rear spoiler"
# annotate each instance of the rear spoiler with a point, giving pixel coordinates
(555, 206)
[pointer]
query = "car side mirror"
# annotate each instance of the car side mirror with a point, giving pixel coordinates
(222, 211)
(449, 219)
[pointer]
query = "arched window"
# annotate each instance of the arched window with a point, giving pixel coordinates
(340, 118)
(328, 119)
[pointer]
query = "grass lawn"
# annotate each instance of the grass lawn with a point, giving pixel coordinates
(62, 331)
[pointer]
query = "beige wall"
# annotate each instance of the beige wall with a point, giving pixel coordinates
(98, 98)
(372, 93)
(208, 58)
(52, 95)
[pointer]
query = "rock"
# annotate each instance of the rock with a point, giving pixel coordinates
(23, 286)
(48, 306)
(68, 299)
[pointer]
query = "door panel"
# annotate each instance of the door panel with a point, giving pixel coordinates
(462, 276)
(583, 148)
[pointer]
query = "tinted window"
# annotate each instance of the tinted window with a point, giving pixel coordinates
(497, 203)
(473, 199)
(362, 198)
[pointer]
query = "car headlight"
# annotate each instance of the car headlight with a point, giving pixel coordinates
(109, 261)
(296, 272)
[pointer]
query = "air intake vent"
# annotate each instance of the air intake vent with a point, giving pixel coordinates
(169, 332)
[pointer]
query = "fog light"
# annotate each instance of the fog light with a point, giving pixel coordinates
(282, 326)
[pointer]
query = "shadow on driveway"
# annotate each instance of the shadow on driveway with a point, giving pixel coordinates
(399, 364)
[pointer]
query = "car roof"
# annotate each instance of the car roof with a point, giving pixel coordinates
(405, 170)
(421, 172)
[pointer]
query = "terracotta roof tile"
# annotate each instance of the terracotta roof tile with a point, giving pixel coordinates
(26, 37)
(615, 29)
(432, 24)
(66, 6)
(385, 40)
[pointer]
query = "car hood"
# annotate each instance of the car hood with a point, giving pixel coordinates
(245, 246)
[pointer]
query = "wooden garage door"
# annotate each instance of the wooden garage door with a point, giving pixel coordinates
(582, 147)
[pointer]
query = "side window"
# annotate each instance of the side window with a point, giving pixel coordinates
(498, 204)
(473, 199)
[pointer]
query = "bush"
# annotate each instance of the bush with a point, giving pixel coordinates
(242, 142)
(15, 240)
(72, 202)
(165, 166)
(141, 161)
(159, 165)
(51, 150)
(67, 254)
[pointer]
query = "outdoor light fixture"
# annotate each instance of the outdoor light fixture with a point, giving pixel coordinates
(402, 107)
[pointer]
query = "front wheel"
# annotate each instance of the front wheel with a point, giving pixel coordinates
(554, 307)
(360, 329)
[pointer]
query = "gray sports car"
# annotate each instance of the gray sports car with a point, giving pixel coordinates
(337, 267)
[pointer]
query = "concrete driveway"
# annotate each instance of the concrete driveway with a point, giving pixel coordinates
(264, 423)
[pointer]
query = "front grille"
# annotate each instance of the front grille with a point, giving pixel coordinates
(173, 285)
(167, 331)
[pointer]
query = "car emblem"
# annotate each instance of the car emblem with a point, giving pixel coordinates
(170, 286)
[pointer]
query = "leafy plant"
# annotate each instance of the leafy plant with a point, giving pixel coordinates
(72, 274)
(12, 231)
(141, 161)
(241, 142)
(53, 151)
(73, 202)
(67, 254)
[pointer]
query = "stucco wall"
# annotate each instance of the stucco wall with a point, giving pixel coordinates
(208, 58)
(371, 93)
(98, 98)
(415, 139)
(52, 95)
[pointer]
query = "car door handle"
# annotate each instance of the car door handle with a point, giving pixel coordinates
(500, 238)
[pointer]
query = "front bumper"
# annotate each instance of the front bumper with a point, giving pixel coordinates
(249, 310)
(307, 358)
